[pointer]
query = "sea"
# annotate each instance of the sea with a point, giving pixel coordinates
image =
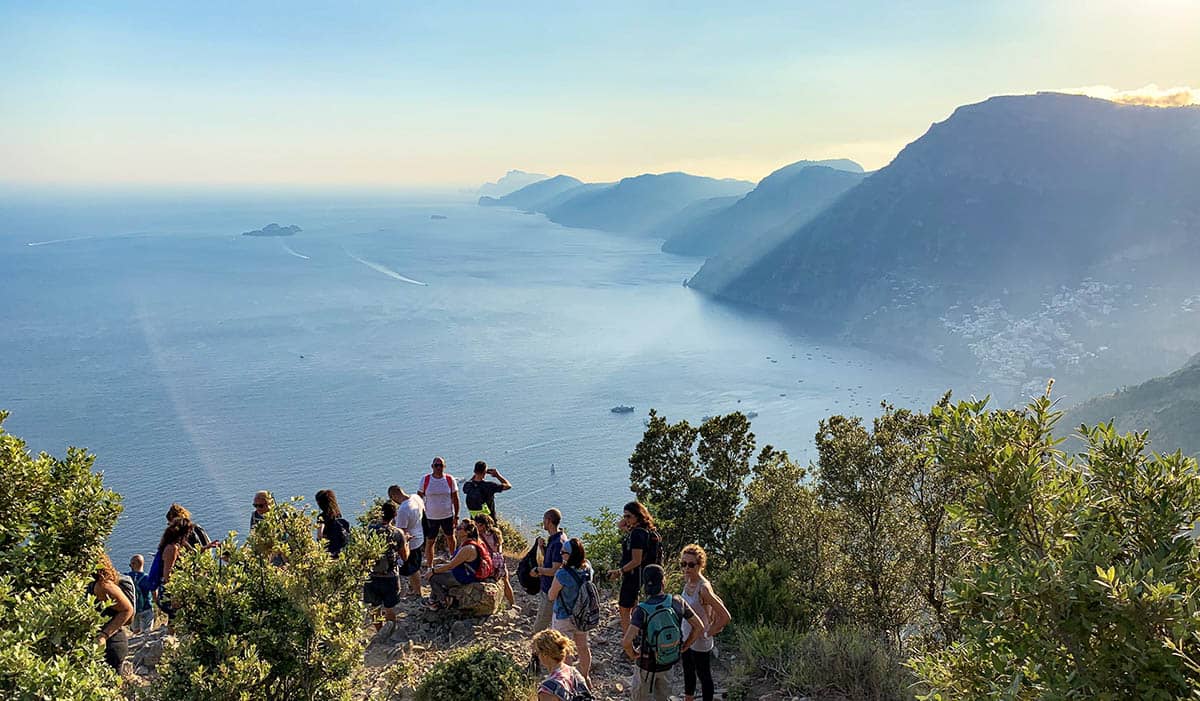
(200, 365)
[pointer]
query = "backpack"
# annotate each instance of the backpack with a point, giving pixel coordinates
(662, 638)
(125, 582)
(585, 612)
(387, 563)
(337, 534)
(653, 553)
(486, 568)
(530, 582)
(446, 476)
(153, 580)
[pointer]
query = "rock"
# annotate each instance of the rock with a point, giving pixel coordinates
(462, 631)
(478, 598)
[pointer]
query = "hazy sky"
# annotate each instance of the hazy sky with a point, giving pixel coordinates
(391, 93)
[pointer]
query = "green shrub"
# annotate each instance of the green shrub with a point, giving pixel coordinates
(55, 515)
(1086, 567)
(253, 630)
(602, 541)
(766, 594)
(515, 542)
(846, 663)
(476, 673)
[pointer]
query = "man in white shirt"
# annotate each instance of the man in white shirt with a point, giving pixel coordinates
(410, 517)
(440, 493)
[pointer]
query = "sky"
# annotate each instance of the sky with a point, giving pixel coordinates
(397, 94)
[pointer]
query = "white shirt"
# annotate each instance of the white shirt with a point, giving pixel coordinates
(438, 504)
(408, 519)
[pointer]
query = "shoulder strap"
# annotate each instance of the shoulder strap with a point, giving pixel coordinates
(425, 484)
(576, 577)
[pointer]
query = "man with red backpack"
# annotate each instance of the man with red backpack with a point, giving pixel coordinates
(439, 491)
(472, 562)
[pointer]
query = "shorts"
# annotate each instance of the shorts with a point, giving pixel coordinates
(631, 584)
(413, 564)
(431, 526)
(566, 626)
(382, 591)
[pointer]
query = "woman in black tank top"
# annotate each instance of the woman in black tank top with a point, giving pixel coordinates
(116, 607)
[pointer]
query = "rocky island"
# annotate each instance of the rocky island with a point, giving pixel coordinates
(274, 230)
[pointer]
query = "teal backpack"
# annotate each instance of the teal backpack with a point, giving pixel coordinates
(662, 637)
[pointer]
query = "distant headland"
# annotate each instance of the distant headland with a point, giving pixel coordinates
(274, 230)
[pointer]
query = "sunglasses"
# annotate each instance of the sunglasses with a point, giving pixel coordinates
(259, 503)
(687, 564)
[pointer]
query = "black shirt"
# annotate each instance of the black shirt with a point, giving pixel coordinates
(640, 539)
(481, 492)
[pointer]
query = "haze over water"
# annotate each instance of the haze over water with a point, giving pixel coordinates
(201, 365)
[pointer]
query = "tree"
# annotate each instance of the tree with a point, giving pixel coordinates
(55, 515)
(1083, 580)
(251, 629)
(692, 478)
(866, 477)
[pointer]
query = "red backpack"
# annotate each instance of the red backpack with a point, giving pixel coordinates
(486, 568)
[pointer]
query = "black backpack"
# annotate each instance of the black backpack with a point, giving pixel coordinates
(653, 552)
(530, 582)
(337, 534)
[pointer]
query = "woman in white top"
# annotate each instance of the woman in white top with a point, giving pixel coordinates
(699, 594)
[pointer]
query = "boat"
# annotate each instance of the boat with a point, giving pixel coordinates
(622, 409)
(751, 414)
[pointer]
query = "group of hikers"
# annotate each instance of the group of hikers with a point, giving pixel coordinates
(659, 630)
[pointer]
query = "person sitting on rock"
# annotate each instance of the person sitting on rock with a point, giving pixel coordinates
(491, 536)
(565, 682)
(459, 570)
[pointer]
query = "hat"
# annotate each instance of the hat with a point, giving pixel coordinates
(652, 580)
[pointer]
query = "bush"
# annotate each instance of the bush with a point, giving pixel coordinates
(515, 542)
(602, 541)
(766, 594)
(846, 663)
(1086, 580)
(475, 673)
(253, 630)
(55, 515)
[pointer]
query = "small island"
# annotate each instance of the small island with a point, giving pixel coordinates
(274, 230)
(622, 409)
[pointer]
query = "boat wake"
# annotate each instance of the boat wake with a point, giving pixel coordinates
(387, 271)
(86, 238)
(289, 250)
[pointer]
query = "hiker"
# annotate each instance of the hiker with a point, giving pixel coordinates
(551, 561)
(199, 537)
(331, 527)
(382, 589)
(491, 536)
(440, 493)
(262, 504)
(480, 493)
(172, 544)
(656, 626)
(565, 683)
(143, 605)
(568, 581)
(463, 568)
(711, 618)
(410, 515)
(115, 605)
(638, 549)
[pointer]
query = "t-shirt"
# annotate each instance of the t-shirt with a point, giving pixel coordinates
(638, 619)
(552, 557)
(388, 564)
(142, 598)
(408, 518)
(255, 517)
(565, 601)
(481, 493)
(639, 539)
(438, 492)
(564, 683)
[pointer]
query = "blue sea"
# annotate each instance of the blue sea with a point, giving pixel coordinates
(200, 365)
